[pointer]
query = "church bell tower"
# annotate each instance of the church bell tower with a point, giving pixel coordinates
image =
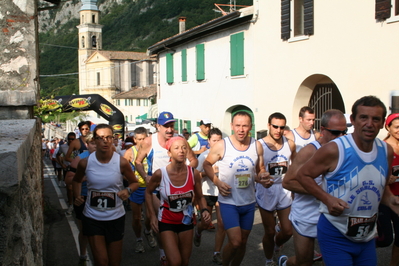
(90, 38)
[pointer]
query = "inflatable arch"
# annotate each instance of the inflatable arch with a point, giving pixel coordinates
(89, 102)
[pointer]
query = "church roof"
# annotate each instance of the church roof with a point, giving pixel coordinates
(138, 93)
(123, 55)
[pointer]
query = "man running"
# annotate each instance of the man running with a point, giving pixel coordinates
(79, 144)
(239, 158)
(305, 208)
(355, 169)
(304, 133)
(199, 141)
(278, 151)
(137, 198)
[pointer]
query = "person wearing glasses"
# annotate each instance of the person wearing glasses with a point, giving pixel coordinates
(305, 208)
(355, 169)
(104, 214)
(79, 145)
(304, 133)
(278, 151)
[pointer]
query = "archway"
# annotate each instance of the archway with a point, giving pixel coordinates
(89, 102)
(320, 93)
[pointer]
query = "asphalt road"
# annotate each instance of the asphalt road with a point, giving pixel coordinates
(60, 243)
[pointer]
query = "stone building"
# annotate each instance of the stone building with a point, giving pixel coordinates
(21, 177)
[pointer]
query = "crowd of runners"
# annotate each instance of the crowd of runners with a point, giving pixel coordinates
(327, 185)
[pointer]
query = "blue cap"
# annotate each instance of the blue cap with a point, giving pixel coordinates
(165, 117)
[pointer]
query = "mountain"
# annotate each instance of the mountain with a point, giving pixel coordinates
(128, 26)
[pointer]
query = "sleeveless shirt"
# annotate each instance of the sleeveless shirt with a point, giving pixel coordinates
(157, 157)
(301, 142)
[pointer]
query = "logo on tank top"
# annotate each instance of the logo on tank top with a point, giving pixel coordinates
(243, 166)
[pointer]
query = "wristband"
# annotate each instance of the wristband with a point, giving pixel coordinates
(129, 190)
(205, 209)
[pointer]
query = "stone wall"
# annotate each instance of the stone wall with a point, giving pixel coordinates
(21, 181)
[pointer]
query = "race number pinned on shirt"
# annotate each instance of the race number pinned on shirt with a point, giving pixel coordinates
(179, 202)
(242, 181)
(102, 200)
(361, 226)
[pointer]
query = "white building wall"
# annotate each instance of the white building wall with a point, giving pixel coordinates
(194, 100)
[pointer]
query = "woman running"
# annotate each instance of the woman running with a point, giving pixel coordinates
(386, 217)
(178, 185)
(104, 215)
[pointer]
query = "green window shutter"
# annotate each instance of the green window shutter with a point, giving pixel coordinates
(188, 126)
(169, 68)
(176, 127)
(181, 126)
(237, 54)
(200, 61)
(184, 65)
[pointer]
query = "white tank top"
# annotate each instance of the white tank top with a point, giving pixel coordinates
(300, 142)
(104, 181)
(305, 207)
(237, 169)
(158, 156)
(276, 161)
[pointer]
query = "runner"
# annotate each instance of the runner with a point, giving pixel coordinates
(153, 148)
(83, 241)
(278, 151)
(355, 170)
(304, 133)
(210, 192)
(104, 214)
(79, 145)
(178, 184)
(386, 217)
(305, 208)
(137, 198)
(240, 158)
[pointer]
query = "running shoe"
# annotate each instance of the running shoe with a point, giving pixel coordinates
(150, 239)
(164, 261)
(282, 260)
(217, 258)
(69, 210)
(317, 256)
(197, 239)
(211, 226)
(82, 262)
(270, 263)
(139, 247)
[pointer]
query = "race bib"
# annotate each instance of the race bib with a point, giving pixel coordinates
(242, 181)
(179, 202)
(102, 200)
(277, 169)
(361, 226)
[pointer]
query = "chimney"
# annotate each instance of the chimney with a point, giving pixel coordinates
(182, 24)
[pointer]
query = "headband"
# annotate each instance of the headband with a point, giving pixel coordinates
(170, 142)
(390, 118)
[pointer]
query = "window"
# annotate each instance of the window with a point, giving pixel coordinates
(125, 102)
(169, 68)
(387, 10)
(138, 102)
(184, 65)
(94, 41)
(130, 102)
(98, 78)
(83, 41)
(200, 54)
(237, 54)
(93, 19)
(118, 102)
(145, 102)
(296, 17)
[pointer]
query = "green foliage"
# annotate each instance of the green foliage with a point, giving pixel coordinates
(130, 26)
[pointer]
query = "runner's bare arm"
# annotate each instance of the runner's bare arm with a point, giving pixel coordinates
(262, 176)
(144, 149)
(129, 155)
(75, 145)
(77, 182)
(293, 149)
(324, 160)
(290, 181)
(153, 183)
(128, 173)
(192, 157)
(200, 198)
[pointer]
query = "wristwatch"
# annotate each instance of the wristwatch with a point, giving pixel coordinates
(129, 190)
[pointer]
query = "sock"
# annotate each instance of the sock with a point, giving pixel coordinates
(161, 253)
(216, 252)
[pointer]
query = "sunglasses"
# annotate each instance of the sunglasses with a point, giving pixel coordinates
(336, 132)
(103, 138)
(275, 126)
